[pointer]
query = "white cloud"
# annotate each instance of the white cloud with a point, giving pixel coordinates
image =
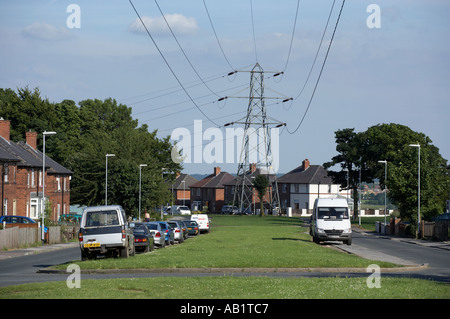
(157, 26)
(44, 31)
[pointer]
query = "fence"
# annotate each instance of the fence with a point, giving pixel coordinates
(15, 236)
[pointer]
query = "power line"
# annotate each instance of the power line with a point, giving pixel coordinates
(253, 28)
(181, 48)
(292, 37)
(321, 70)
(215, 34)
(168, 65)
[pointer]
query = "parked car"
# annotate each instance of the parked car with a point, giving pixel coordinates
(180, 210)
(157, 232)
(14, 219)
(69, 219)
(104, 231)
(143, 238)
(168, 233)
(192, 227)
(177, 229)
(185, 230)
(230, 210)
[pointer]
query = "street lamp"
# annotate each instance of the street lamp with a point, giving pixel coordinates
(106, 187)
(140, 180)
(43, 183)
(385, 191)
(184, 191)
(418, 190)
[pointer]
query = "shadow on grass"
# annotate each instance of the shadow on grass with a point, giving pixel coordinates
(293, 239)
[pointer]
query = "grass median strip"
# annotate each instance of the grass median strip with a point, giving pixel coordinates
(242, 242)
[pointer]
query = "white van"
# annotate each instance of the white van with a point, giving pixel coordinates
(202, 221)
(104, 231)
(330, 221)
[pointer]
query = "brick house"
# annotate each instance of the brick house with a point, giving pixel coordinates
(181, 189)
(21, 178)
(230, 189)
(210, 191)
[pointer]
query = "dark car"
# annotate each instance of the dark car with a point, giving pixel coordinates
(192, 227)
(143, 239)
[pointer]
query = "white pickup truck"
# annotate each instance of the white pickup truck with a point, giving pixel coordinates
(104, 231)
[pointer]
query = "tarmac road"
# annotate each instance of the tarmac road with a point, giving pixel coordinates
(29, 265)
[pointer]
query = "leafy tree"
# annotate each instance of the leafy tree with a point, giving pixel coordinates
(261, 183)
(391, 142)
(85, 134)
(350, 161)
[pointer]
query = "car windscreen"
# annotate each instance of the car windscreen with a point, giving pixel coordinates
(152, 226)
(102, 218)
(332, 213)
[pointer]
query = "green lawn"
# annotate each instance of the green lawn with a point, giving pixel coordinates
(242, 242)
(230, 287)
(237, 242)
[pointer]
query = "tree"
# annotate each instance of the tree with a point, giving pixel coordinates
(391, 142)
(350, 161)
(261, 183)
(85, 134)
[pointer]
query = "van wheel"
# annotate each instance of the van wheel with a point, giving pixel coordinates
(124, 252)
(349, 242)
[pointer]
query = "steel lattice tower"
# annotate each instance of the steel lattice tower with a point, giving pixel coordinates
(256, 153)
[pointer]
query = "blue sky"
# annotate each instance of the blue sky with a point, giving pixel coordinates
(398, 73)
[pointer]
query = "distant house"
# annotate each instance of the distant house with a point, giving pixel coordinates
(251, 193)
(181, 189)
(300, 187)
(21, 182)
(210, 191)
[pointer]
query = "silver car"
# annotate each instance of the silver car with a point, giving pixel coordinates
(177, 230)
(157, 232)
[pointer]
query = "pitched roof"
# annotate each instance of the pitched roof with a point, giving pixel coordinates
(314, 174)
(188, 181)
(214, 181)
(26, 156)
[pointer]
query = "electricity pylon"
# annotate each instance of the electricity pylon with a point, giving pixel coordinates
(256, 155)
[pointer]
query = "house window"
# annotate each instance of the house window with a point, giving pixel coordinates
(32, 178)
(198, 191)
(284, 188)
(34, 208)
(40, 178)
(58, 182)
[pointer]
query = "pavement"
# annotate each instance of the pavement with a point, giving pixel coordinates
(11, 253)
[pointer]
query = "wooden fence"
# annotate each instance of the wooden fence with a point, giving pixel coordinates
(15, 236)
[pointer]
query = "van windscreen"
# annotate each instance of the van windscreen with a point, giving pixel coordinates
(332, 213)
(102, 218)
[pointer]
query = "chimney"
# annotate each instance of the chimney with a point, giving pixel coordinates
(216, 171)
(5, 127)
(31, 139)
(305, 164)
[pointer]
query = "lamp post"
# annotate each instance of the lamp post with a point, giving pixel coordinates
(140, 180)
(43, 183)
(106, 187)
(385, 191)
(418, 190)
(184, 191)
